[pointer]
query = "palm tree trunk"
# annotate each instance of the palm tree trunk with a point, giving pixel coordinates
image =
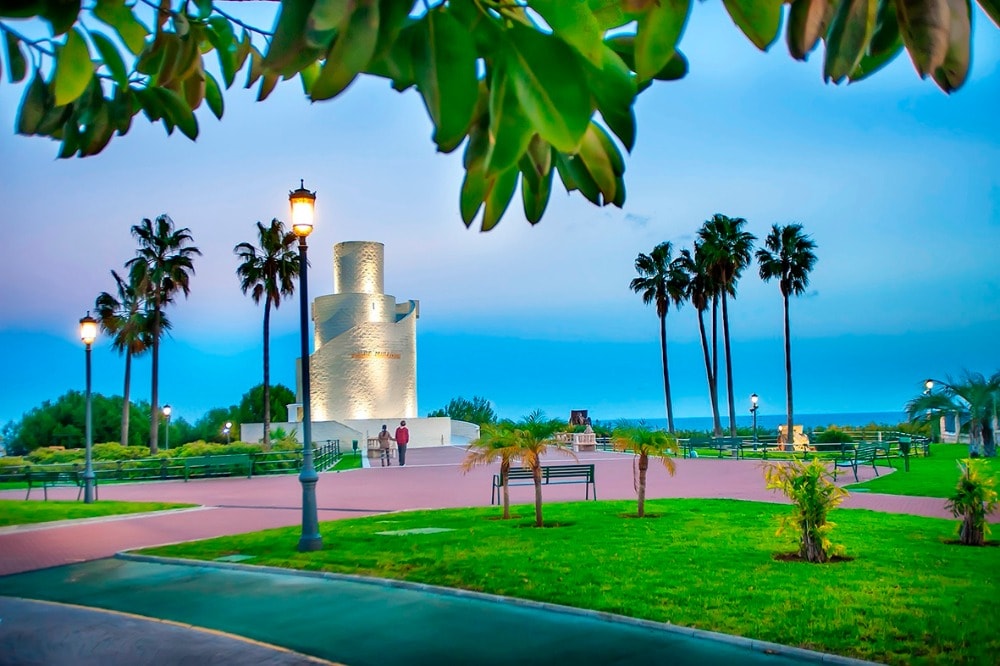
(123, 439)
(715, 366)
(504, 475)
(666, 374)
(788, 375)
(713, 399)
(267, 376)
(536, 474)
(643, 466)
(989, 446)
(729, 365)
(154, 415)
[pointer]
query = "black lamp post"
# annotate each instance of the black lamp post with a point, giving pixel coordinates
(166, 422)
(303, 204)
(227, 430)
(88, 333)
(753, 410)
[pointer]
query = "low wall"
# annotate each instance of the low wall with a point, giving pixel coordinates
(426, 432)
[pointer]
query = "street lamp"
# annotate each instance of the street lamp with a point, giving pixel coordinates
(166, 420)
(227, 430)
(753, 410)
(928, 385)
(88, 333)
(303, 203)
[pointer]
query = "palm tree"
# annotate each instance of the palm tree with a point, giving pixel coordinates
(495, 443)
(728, 250)
(645, 443)
(661, 280)
(533, 437)
(974, 395)
(787, 255)
(163, 266)
(700, 292)
(268, 271)
(125, 318)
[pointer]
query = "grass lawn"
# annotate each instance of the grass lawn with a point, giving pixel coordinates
(349, 461)
(935, 476)
(21, 512)
(906, 597)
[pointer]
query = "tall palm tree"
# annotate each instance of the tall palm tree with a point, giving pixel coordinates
(163, 267)
(533, 437)
(973, 395)
(125, 318)
(268, 271)
(700, 292)
(661, 281)
(788, 256)
(728, 250)
(646, 444)
(495, 443)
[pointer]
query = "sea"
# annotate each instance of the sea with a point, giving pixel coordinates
(771, 421)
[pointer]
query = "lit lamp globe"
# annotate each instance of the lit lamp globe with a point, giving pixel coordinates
(303, 204)
(88, 330)
(928, 385)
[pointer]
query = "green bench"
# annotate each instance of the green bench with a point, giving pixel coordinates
(734, 445)
(228, 464)
(551, 475)
(51, 479)
(861, 453)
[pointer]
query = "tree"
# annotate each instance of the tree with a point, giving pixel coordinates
(646, 444)
(125, 318)
(268, 272)
(728, 250)
(788, 256)
(701, 292)
(478, 410)
(811, 488)
(495, 443)
(163, 266)
(61, 422)
(519, 83)
(251, 407)
(533, 437)
(973, 397)
(973, 501)
(661, 281)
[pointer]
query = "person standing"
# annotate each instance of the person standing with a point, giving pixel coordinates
(383, 444)
(402, 439)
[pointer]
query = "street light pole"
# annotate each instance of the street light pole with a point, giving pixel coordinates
(227, 430)
(753, 410)
(88, 333)
(303, 204)
(166, 420)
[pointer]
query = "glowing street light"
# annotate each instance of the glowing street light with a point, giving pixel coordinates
(227, 430)
(753, 410)
(88, 333)
(166, 420)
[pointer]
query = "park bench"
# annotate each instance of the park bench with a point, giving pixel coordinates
(733, 445)
(551, 474)
(50, 479)
(861, 453)
(217, 465)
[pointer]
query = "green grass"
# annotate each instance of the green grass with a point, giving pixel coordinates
(906, 597)
(21, 512)
(349, 461)
(935, 476)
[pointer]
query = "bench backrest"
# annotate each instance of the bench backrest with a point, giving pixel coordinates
(565, 471)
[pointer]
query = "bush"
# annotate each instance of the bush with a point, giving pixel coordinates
(11, 462)
(974, 499)
(831, 436)
(115, 451)
(52, 455)
(814, 494)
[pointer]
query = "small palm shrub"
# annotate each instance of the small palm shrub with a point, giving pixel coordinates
(974, 499)
(813, 492)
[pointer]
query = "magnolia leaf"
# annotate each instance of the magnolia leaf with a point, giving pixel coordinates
(608, 13)
(220, 34)
(70, 135)
(177, 110)
(549, 81)
(32, 106)
(808, 21)
(576, 24)
(658, 32)
(350, 54)
(885, 45)
(759, 20)
(614, 90)
(326, 17)
(597, 162)
(308, 77)
(116, 15)
(169, 45)
(499, 191)
(16, 64)
(575, 177)
(61, 14)
(535, 190)
(510, 130)
(393, 15)
(213, 96)
(243, 50)
(288, 51)
(256, 67)
(951, 75)
(926, 29)
(204, 8)
(112, 59)
(267, 83)
(74, 70)
(992, 9)
(194, 89)
(472, 194)
(98, 131)
(850, 32)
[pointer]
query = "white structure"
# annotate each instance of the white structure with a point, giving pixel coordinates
(365, 361)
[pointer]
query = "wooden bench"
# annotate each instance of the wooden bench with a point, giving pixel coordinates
(551, 474)
(51, 479)
(734, 445)
(212, 465)
(861, 453)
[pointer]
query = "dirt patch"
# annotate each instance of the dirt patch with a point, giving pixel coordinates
(795, 557)
(988, 544)
(636, 515)
(512, 517)
(547, 523)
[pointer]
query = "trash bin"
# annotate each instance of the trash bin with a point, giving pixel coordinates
(904, 445)
(354, 445)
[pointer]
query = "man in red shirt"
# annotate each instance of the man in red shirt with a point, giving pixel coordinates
(402, 439)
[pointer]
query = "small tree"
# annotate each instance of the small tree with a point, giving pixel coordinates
(495, 443)
(814, 494)
(974, 499)
(533, 437)
(646, 444)
(478, 410)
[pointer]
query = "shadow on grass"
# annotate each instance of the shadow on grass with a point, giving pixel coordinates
(636, 515)
(795, 557)
(548, 523)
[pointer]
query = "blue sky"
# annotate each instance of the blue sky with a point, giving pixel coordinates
(898, 183)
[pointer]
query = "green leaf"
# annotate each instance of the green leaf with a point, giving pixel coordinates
(98, 131)
(16, 65)
(194, 89)
(951, 75)
(115, 14)
(472, 194)
(608, 13)
(256, 67)
(510, 129)
(575, 23)
(169, 46)
(885, 45)
(350, 54)
(61, 14)
(288, 51)
(850, 32)
(445, 71)
(393, 17)
(535, 189)
(808, 21)
(660, 27)
(926, 29)
(499, 191)
(112, 59)
(221, 36)
(74, 70)
(267, 84)
(396, 63)
(177, 110)
(308, 77)
(204, 8)
(598, 162)
(70, 139)
(213, 95)
(759, 20)
(575, 177)
(325, 19)
(549, 81)
(992, 9)
(614, 91)
(32, 106)
(243, 50)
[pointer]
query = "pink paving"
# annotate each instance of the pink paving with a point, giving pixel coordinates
(431, 479)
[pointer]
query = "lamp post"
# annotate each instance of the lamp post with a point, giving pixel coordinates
(166, 421)
(753, 410)
(227, 430)
(303, 203)
(88, 333)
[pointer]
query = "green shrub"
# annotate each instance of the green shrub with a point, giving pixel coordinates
(813, 492)
(974, 499)
(115, 451)
(52, 455)
(831, 436)
(10, 462)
